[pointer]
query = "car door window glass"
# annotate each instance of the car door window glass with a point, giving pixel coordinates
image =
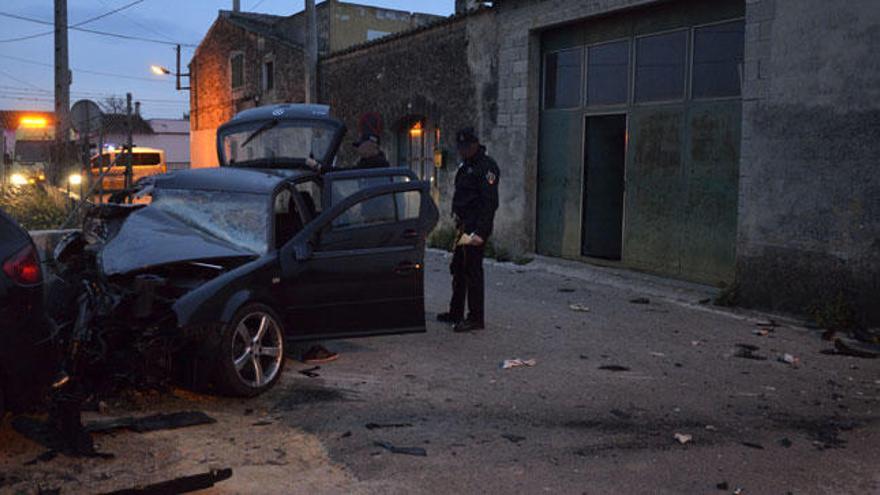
(386, 208)
(408, 205)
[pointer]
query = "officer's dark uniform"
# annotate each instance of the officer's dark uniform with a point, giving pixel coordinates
(473, 206)
(376, 161)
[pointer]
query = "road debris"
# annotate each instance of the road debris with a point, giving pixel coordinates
(843, 349)
(153, 422)
(753, 445)
(640, 300)
(762, 332)
(683, 438)
(310, 372)
(790, 359)
(513, 438)
(711, 428)
(566, 290)
(747, 351)
(723, 486)
(416, 451)
(613, 367)
(658, 354)
(785, 442)
(579, 308)
(185, 484)
(379, 426)
(518, 363)
(767, 323)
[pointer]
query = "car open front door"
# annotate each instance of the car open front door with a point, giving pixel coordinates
(358, 268)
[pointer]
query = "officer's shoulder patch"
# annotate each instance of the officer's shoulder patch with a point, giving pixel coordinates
(491, 178)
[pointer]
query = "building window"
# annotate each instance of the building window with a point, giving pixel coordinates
(268, 75)
(718, 58)
(660, 64)
(562, 79)
(236, 69)
(608, 73)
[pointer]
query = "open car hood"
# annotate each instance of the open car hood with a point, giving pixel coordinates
(149, 237)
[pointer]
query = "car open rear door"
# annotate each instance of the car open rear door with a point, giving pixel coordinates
(358, 268)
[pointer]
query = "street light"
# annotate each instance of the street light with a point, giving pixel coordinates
(159, 70)
(162, 71)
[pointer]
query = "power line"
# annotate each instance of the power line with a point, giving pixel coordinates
(93, 31)
(19, 91)
(139, 24)
(92, 19)
(87, 71)
(22, 81)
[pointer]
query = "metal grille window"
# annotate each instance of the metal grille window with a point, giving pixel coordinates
(718, 59)
(562, 79)
(660, 65)
(236, 68)
(608, 73)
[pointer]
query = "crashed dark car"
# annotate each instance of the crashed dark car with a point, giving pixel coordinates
(26, 349)
(226, 265)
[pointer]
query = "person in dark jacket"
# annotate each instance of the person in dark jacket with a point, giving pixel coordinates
(371, 156)
(473, 207)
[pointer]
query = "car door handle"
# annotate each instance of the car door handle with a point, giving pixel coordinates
(406, 267)
(410, 234)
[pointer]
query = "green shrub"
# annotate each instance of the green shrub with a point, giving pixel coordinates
(32, 207)
(442, 237)
(834, 314)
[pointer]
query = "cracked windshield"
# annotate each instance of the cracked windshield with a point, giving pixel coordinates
(273, 140)
(238, 218)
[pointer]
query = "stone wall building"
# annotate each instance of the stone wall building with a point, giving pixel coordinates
(724, 142)
(248, 59)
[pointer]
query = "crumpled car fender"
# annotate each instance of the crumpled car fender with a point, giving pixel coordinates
(217, 300)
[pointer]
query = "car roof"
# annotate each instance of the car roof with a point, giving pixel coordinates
(245, 180)
(284, 111)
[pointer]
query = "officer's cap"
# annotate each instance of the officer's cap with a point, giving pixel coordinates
(466, 136)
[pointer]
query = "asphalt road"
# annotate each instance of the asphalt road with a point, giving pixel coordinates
(566, 425)
(596, 414)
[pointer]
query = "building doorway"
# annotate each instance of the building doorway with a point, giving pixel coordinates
(604, 160)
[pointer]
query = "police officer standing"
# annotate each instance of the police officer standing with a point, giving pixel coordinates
(473, 207)
(371, 156)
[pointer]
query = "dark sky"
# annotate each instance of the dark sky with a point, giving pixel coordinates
(26, 74)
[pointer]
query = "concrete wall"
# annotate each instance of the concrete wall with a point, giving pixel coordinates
(515, 137)
(809, 214)
(350, 23)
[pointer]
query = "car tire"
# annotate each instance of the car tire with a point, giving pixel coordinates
(251, 351)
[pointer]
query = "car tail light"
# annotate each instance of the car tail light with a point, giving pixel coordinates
(24, 267)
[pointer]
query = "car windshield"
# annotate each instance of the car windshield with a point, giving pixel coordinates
(276, 141)
(241, 219)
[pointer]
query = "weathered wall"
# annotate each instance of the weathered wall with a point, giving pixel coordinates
(809, 214)
(515, 136)
(350, 23)
(443, 73)
(213, 101)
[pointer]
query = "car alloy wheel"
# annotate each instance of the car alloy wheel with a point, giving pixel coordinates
(257, 349)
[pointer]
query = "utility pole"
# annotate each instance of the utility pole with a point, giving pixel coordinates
(311, 58)
(62, 91)
(128, 143)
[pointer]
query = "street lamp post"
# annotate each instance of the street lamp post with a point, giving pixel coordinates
(162, 71)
